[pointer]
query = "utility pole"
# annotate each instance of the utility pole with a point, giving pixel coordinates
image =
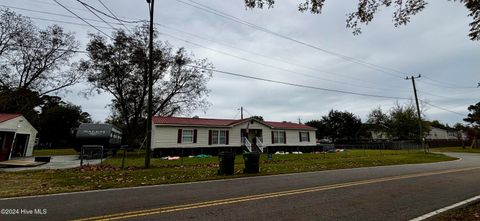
(148, 152)
(418, 110)
(241, 113)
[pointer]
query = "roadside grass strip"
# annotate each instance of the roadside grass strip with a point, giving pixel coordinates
(162, 210)
(445, 209)
(110, 174)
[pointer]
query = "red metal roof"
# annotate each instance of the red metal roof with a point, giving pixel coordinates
(4, 117)
(193, 121)
(223, 122)
(288, 125)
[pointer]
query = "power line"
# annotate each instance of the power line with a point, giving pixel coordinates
(251, 115)
(105, 14)
(65, 22)
(197, 36)
(107, 27)
(113, 14)
(83, 19)
(55, 14)
(299, 85)
(257, 78)
(236, 114)
(49, 3)
(121, 23)
(431, 94)
(332, 90)
(58, 49)
(267, 65)
(191, 34)
(446, 84)
(211, 10)
(339, 82)
(442, 108)
(320, 88)
(208, 9)
(96, 15)
(269, 57)
(238, 20)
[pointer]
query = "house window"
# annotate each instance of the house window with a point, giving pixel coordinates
(187, 136)
(304, 137)
(219, 137)
(278, 137)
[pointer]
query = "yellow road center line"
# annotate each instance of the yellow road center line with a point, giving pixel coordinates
(212, 203)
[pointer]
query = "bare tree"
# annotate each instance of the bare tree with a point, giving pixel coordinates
(35, 59)
(121, 69)
(11, 28)
(366, 10)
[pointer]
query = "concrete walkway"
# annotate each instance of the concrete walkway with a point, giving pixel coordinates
(57, 162)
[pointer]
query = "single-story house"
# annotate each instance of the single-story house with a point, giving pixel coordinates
(378, 135)
(17, 136)
(444, 134)
(238, 135)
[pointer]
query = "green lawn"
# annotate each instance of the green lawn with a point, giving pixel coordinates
(110, 175)
(54, 152)
(456, 149)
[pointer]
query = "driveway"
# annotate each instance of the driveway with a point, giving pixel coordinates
(56, 162)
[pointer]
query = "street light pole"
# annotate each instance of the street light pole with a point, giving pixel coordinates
(148, 152)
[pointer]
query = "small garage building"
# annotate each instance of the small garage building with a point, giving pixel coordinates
(17, 136)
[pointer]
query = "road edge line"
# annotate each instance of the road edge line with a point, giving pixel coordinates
(444, 209)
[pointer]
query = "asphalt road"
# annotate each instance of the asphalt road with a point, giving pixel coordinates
(399, 192)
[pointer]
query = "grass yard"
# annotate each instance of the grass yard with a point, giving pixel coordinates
(110, 175)
(456, 149)
(469, 212)
(54, 152)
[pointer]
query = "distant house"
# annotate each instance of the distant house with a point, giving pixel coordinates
(374, 134)
(238, 135)
(456, 134)
(437, 134)
(17, 136)
(444, 134)
(378, 135)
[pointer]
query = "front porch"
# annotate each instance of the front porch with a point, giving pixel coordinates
(252, 139)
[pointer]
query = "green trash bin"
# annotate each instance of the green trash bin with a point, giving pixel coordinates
(252, 162)
(227, 163)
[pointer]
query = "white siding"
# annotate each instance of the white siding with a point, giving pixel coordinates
(166, 136)
(235, 136)
(293, 138)
(437, 134)
(20, 125)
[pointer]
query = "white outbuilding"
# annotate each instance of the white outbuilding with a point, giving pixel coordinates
(17, 136)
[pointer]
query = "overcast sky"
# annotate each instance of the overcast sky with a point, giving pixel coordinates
(435, 44)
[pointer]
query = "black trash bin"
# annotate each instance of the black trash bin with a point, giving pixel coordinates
(227, 163)
(252, 162)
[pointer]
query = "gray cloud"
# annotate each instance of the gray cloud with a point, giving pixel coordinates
(434, 44)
